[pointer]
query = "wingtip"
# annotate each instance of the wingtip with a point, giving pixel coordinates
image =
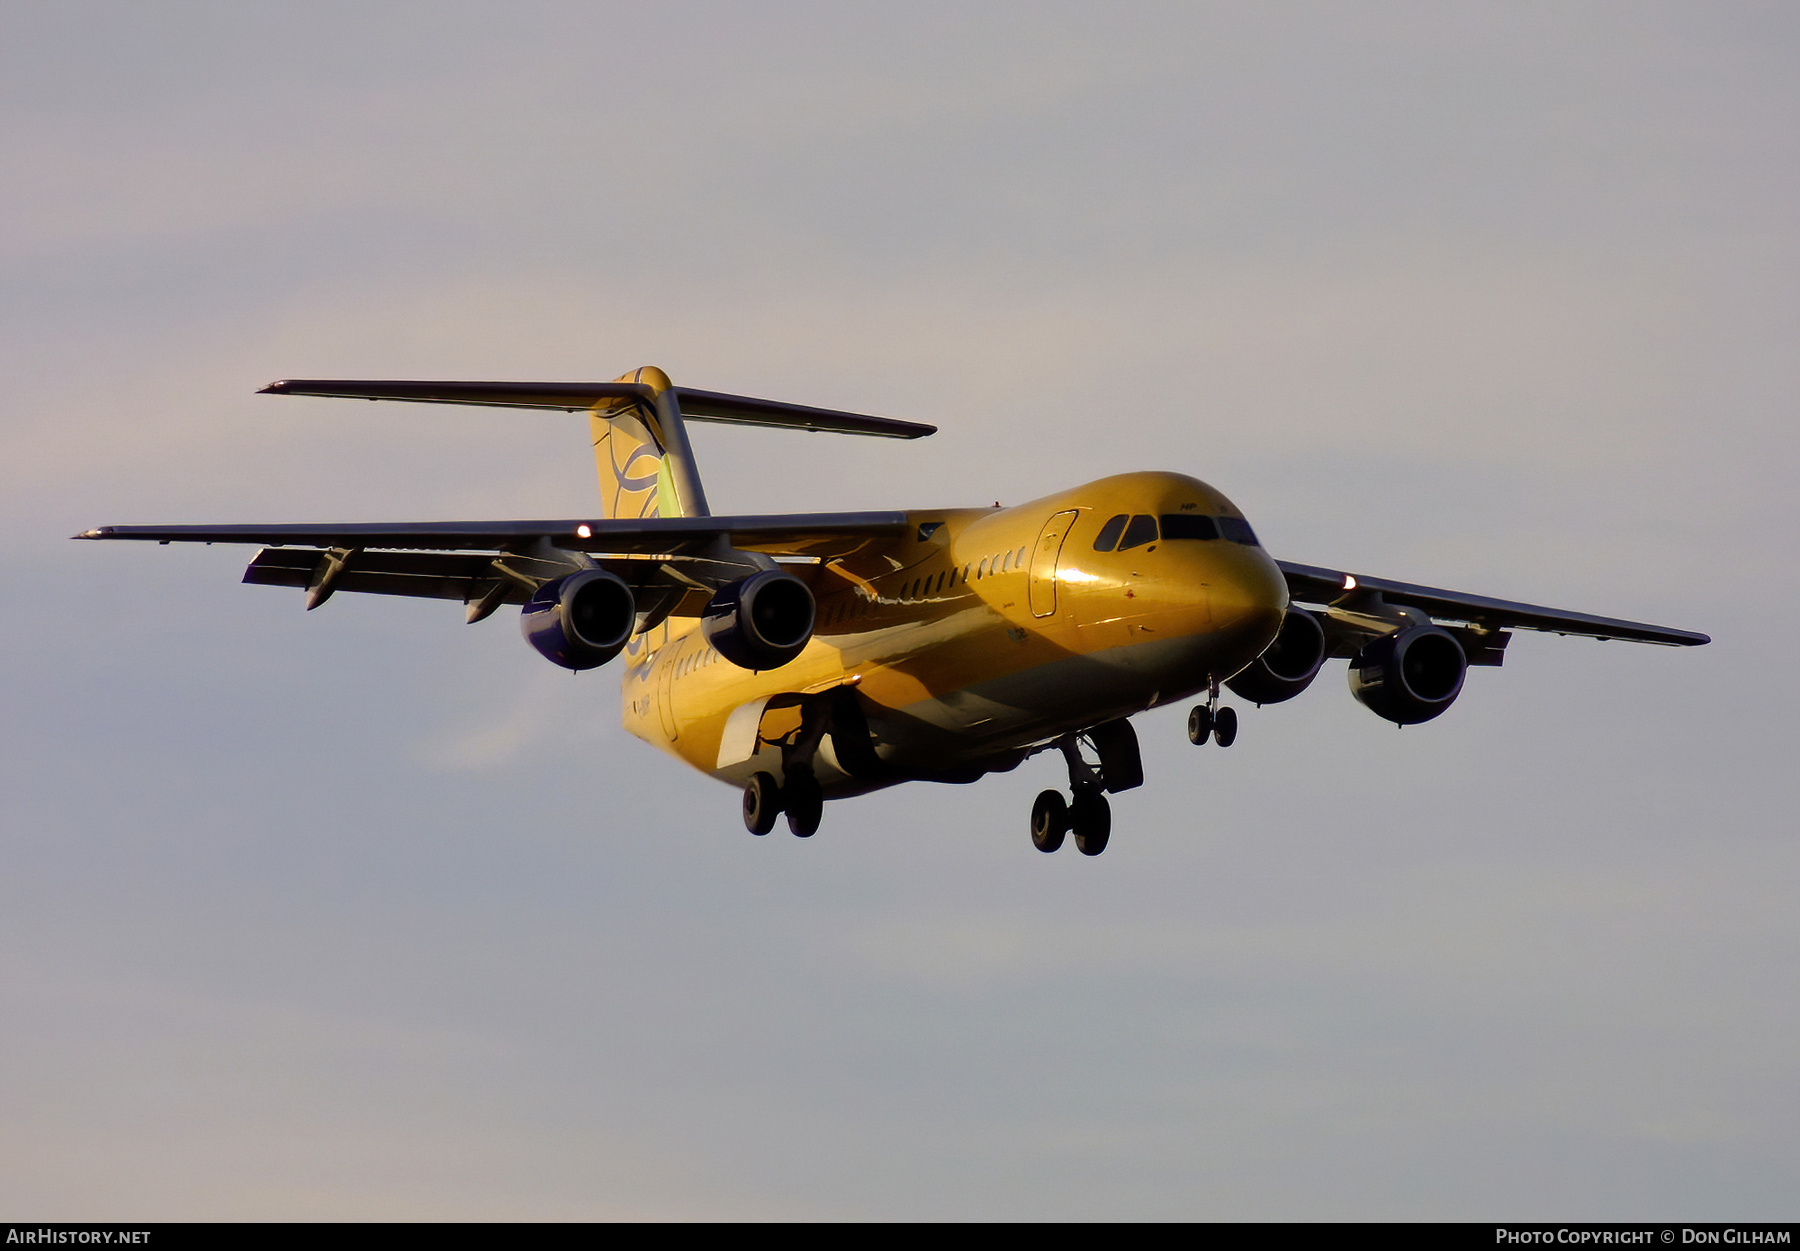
(98, 533)
(275, 388)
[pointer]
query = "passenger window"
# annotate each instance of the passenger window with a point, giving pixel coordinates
(1189, 526)
(940, 584)
(1141, 530)
(1109, 534)
(981, 569)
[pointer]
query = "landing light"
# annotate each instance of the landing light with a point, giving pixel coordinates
(1349, 582)
(584, 532)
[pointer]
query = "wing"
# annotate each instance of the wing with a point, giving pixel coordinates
(777, 534)
(676, 561)
(1356, 593)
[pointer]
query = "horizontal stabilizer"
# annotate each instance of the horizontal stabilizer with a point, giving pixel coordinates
(740, 410)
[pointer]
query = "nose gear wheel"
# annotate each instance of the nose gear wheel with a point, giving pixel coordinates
(1208, 720)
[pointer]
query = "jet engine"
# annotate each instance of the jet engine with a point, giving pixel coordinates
(580, 621)
(1288, 665)
(760, 622)
(1409, 676)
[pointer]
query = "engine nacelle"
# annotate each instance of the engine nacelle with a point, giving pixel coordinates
(580, 621)
(1288, 665)
(1409, 676)
(762, 621)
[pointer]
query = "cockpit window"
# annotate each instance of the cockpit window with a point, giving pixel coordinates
(1238, 531)
(1110, 532)
(1189, 526)
(1141, 530)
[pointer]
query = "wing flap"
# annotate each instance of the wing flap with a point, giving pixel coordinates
(1313, 584)
(464, 577)
(421, 575)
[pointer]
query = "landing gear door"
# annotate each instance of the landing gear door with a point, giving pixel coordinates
(1043, 562)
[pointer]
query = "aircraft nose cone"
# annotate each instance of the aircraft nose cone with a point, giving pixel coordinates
(1247, 598)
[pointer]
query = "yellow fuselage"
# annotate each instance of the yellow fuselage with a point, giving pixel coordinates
(981, 633)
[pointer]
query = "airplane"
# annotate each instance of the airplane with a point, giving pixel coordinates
(812, 656)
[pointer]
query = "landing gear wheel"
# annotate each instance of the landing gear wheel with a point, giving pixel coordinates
(804, 803)
(1225, 727)
(1091, 818)
(1049, 821)
(1200, 725)
(762, 802)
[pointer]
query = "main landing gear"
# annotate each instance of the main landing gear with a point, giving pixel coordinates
(1087, 814)
(798, 794)
(1210, 720)
(801, 799)
(1089, 818)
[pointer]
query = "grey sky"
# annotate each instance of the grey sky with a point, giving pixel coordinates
(363, 913)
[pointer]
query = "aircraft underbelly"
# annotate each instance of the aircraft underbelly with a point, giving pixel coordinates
(1072, 692)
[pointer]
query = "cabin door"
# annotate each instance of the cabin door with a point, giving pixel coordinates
(665, 688)
(1043, 563)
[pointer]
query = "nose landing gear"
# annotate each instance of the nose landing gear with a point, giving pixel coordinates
(1208, 720)
(1088, 815)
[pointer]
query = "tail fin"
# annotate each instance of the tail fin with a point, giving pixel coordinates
(642, 452)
